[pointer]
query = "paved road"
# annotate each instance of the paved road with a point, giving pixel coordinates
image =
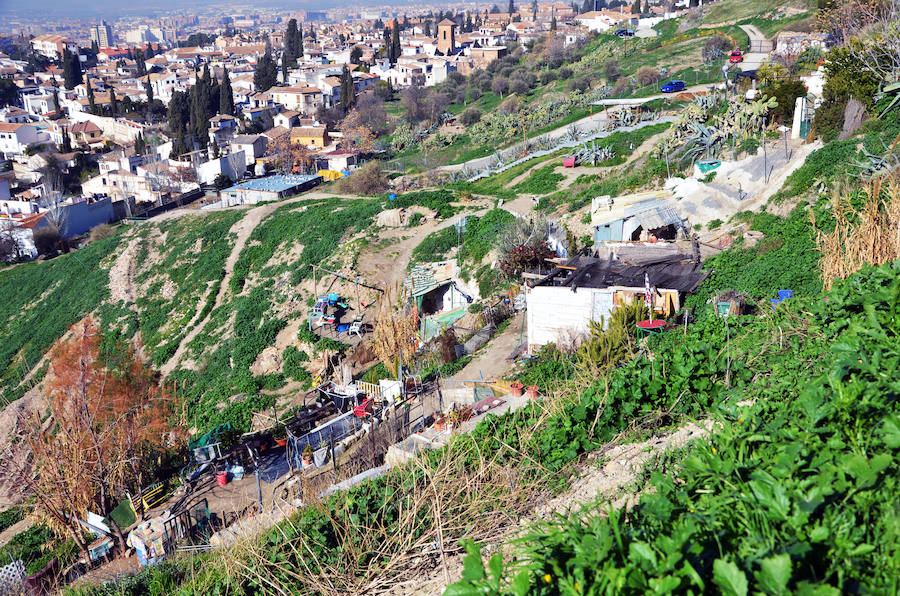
(759, 46)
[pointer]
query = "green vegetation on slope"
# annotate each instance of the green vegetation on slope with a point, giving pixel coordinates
(192, 258)
(40, 301)
(793, 494)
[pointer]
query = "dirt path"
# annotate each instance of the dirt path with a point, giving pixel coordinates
(490, 362)
(387, 266)
(242, 230)
(121, 275)
(7, 534)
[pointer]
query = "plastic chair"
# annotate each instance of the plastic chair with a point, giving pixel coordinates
(355, 327)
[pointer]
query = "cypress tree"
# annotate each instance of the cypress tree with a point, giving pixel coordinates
(226, 95)
(512, 8)
(66, 146)
(291, 41)
(266, 71)
(90, 92)
(387, 44)
(71, 70)
(553, 23)
(148, 88)
(300, 43)
(395, 42)
(284, 70)
(427, 28)
(179, 147)
(113, 104)
(347, 95)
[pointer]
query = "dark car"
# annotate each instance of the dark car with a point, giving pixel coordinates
(673, 86)
(624, 32)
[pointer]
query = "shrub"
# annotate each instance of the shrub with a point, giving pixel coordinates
(715, 48)
(367, 180)
(611, 71)
(579, 84)
(470, 116)
(785, 93)
(714, 224)
(222, 181)
(101, 232)
(47, 240)
(647, 75)
(519, 87)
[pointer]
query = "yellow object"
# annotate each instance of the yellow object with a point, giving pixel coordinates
(330, 175)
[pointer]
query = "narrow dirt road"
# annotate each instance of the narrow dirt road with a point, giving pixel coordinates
(490, 362)
(242, 230)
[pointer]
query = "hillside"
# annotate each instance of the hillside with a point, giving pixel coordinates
(753, 453)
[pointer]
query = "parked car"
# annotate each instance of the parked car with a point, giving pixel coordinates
(673, 86)
(736, 57)
(624, 32)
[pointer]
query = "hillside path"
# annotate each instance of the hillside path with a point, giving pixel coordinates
(242, 230)
(760, 47)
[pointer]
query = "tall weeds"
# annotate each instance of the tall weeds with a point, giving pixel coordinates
(867, 235)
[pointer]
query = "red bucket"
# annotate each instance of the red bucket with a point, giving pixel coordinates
(221, 478)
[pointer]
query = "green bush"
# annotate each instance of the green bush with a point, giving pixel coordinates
(10, 517)
(293, 368)
(541, 181)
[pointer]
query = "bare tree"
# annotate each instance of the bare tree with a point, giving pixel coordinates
(109, 416)
(10, 248)
(871, 30)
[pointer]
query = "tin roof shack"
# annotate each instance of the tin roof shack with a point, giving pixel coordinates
(435, 287)
(270, 188)
(639, 216)
(579, 290)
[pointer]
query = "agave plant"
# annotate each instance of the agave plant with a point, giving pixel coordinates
(704, 140)
(593, 154)
(872, 164)
(891, 91)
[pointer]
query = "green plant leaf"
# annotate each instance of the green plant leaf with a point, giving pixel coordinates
(774, 574)
(729, 578)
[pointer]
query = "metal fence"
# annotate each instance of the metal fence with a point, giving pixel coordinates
(11, 577)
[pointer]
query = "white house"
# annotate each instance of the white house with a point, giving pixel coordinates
(233, 165)
(306, 100)
(253, 146)
(16, 137)
(39, 103)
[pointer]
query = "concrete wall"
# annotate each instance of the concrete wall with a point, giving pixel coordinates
(81, 217)
(558, 314)
(232, 165)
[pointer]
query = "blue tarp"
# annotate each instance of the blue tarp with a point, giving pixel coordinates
(273, 465)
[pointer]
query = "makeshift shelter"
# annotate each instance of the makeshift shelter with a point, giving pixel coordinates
(562, 304)
(631, 217)
(437, 294)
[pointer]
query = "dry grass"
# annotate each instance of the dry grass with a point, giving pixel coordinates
(869, 235)
(446, 502)
(428, 506)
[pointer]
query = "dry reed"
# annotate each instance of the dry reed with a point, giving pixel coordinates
(869, 235)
